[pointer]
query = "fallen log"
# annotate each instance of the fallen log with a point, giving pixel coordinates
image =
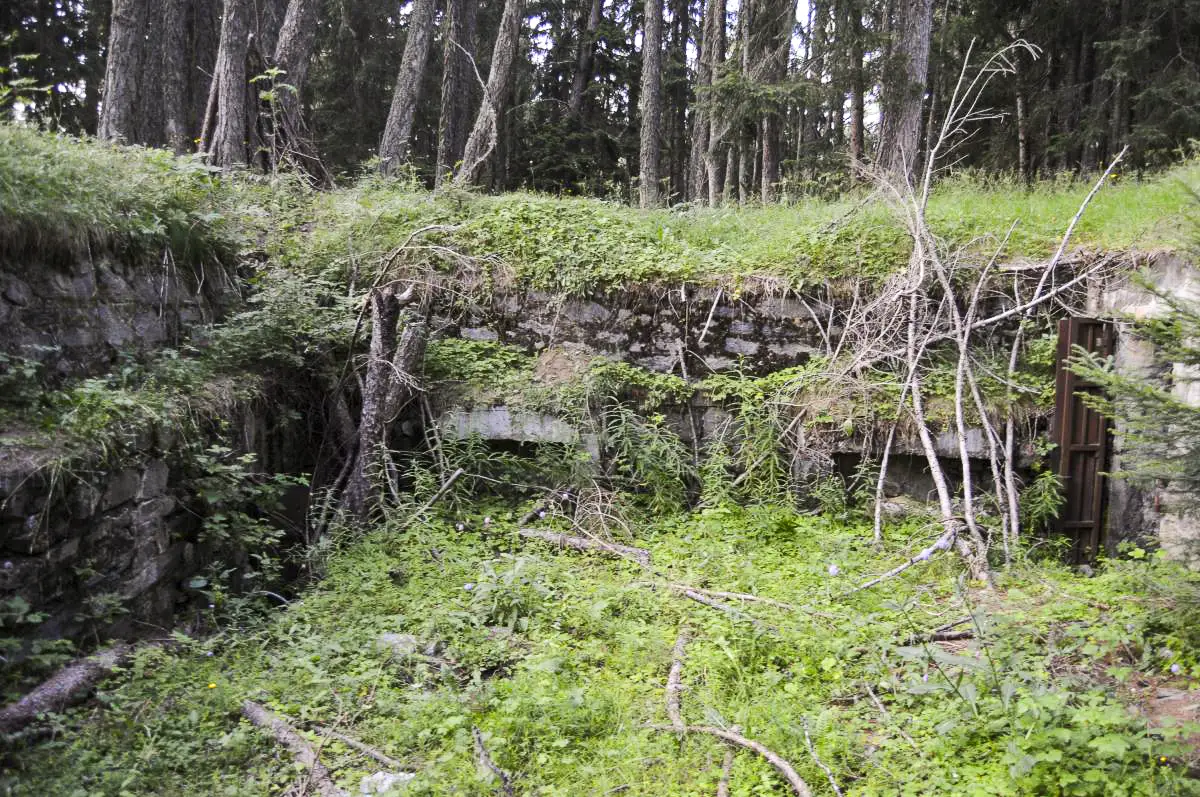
(675, 682)
(301, 750)
(799, 787)
(726, 774)
(70, 685)
(639, 555)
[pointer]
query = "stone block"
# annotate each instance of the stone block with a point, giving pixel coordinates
(122, 487)
(83, 500)
(154, 479)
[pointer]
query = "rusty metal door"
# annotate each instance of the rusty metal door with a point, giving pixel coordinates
(1082, 437)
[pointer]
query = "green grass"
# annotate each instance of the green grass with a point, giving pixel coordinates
(578, 246)
(563, 659)
(61, 195)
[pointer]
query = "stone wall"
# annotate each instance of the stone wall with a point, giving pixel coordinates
(648, 326)
(105, 552)
(1162, 514)
(75, 317)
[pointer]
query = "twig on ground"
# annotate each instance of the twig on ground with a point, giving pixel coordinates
(726, 774)
(72, 684)
(675, 681)
(723, 607)
(488, 765)
(301, 750)
(740, 596)
(639, 555)
(446, 485)
(812, 751)
(365, 749)
(774, 759)
(888, 718)
(942, 543)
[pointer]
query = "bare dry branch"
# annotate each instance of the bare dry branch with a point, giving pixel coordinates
(639, 555)
(799, 787)
(301, 750)
(675, 681)
(488, 765)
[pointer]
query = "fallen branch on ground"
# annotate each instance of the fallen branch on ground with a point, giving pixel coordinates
(883, 712)
(441, 491)
(943, 633)
(942, 543)
(739, 596)
(487, 764)
(365, 749)
(70, 685)
(812, 751)
(675, 681)
(723, 607)
(774, 759)
(301, 750)
(726, 774)
(640, 555)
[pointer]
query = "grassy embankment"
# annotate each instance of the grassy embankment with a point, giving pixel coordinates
(558, 658)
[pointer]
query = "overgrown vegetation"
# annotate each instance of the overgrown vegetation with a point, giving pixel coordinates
(421, 633)
(62, 197)
(443, 628)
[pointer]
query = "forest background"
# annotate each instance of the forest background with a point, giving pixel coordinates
(665, 101)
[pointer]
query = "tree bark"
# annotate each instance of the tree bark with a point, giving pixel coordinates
(775, 31)
(175, 69)
(126, 46)
(651, 105)
(228, 141)
(397, 348)
(293, 52)
(676, 91)
(699, 173)
(858, 90)
(485, 131)
(67, 687)
(903, 91)
(394, 146)
(586, 57)
(714, 37)
(458, 76)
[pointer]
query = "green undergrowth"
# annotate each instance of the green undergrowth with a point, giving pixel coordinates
(63, 197)
(61, 194)
(421, 634)
(579, 246)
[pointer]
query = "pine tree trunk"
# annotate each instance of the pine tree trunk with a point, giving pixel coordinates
(903, 91)
(651, 105)
(293, 52)
(175, 68)
(775, 24)
(858, 90)
(698, 171)
(227, 143)
(458, 76)
(394, 146)
(486, 131)
(714, 36)
(584, 60)
(677, 94)
(126, 47)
